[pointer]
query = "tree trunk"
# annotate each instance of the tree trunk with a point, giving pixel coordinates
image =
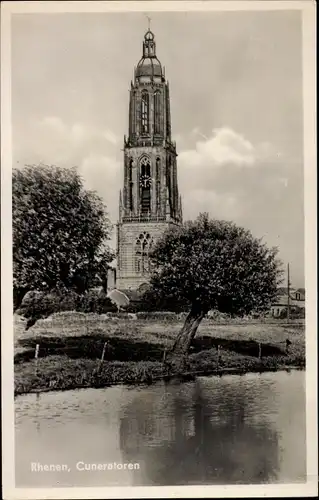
(176, 358)
(104, 283)
(18, 294)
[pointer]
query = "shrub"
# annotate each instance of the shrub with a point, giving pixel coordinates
(298, 313)
(283, 313)
(295, 313)
(96, 301)
(39, 305)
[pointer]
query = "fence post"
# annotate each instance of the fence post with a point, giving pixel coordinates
(102, 356)
(259, 350)
(86, 325)
(164, 356)
(36, 355)
(103, 352)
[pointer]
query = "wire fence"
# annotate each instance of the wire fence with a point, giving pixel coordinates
(100, 360)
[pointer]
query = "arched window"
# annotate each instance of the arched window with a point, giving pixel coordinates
(145, 167)
(169, 180)
(158, 169)
(157, 112)
(130, 178)
(158, 182)
(145, 113)
(168, 114)
(138, 255)
(145, 185)
(143, 247)
(130, 169)
(150, 49)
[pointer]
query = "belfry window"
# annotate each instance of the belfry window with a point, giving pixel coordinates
(145, 185)
(130, 168)
(145, 167)
(157, 112)
(143, 248)
(145, 113)
(150, 48)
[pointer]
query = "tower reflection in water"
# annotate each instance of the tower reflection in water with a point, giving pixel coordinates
(203, 432)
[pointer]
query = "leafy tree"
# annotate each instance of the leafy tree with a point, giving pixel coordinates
(39, 305)
(211, 264)
(60, 231)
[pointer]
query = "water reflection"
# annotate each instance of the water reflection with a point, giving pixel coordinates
(204, 432)
(231, 430)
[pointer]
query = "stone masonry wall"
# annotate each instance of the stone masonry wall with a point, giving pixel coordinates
(128, 234)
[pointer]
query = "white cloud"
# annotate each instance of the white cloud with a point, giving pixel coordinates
(78, 133)
(227, 175)
(92, 150)
(104, 175)
(53, 122)
(75, 133)
(196, 131)
(223, 147)
(218, 205)
(110, 136)
(51, 140)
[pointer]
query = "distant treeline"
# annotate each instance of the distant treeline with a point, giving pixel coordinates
(37, 305)
(40, 305)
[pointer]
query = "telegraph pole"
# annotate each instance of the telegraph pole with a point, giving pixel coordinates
(288, 290)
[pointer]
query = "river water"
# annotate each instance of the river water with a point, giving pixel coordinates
(216, 430)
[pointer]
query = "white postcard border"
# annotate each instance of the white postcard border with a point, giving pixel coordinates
(309, 35)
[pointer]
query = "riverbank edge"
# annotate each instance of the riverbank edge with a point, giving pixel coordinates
(36, 380)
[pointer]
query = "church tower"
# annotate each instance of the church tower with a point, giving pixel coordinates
(149, 202)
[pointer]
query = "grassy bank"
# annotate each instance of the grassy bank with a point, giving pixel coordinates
(71, 347)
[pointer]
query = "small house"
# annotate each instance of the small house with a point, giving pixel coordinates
(296, 301)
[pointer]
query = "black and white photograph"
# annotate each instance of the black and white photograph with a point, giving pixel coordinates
(158, 234)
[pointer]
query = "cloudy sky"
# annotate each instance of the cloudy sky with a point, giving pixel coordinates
(236, 104)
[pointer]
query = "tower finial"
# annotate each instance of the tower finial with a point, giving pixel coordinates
(149, 41)
(149, 22)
